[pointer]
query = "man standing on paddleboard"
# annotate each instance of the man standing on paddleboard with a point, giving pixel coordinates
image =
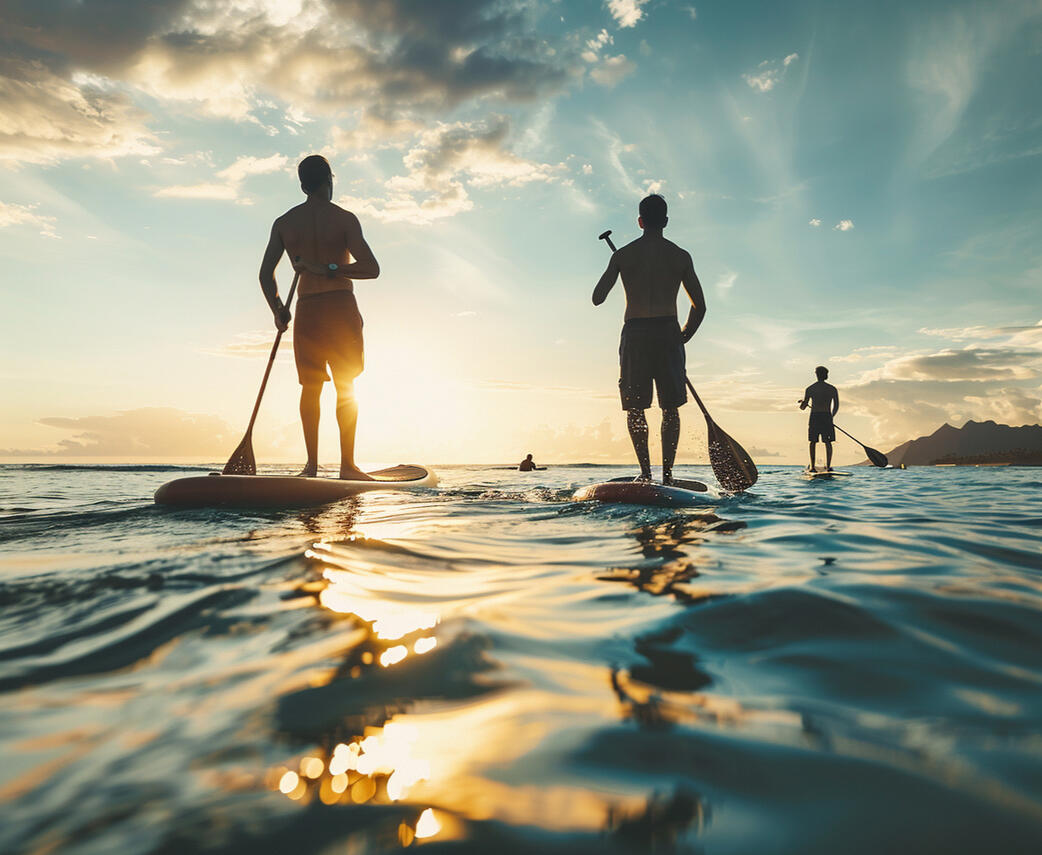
(327, 242)
(651, 350)
(824, 404)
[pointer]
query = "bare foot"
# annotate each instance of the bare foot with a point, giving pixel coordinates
(308, 472)
(643, 478)
(811, 469)
(353, 473)
(667, 480)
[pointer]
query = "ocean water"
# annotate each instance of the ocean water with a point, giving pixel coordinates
(815, 667)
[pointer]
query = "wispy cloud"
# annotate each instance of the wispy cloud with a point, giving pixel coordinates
(769, 73)
(814, 222)
(228, 187)
(844, 226)
(25, 215)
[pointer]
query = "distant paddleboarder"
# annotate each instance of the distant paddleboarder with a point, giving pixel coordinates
(824, 404)
(528, 465)
(651, 350)
(331, 252)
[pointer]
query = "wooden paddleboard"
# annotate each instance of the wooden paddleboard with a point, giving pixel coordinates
(626, 491)
(284, 491)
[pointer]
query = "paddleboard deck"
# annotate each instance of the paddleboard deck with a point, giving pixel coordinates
(821, 474)
(626, 491)
(284, 491)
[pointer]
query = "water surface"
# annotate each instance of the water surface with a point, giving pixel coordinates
(816, 667)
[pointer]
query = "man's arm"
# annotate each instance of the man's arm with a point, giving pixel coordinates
(365, 265)
(835, 401)
(607, 281)
(806, 398)
(272, 255)
(698, 301)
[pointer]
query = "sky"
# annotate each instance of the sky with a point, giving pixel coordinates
(857, 183)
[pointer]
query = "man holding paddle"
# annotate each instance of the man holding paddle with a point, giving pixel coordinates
(329, 252)
(651, 350)
(824, 404)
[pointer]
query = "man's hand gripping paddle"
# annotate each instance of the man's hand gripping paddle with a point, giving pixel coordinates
(734, 469)
(241, 462)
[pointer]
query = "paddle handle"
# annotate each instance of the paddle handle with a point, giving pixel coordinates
(271, 359)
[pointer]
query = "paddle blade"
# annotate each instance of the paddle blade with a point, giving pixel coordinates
(734, 469)
(877, 457)
(241, 462)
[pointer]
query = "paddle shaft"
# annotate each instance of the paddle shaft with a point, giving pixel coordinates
(858, 441)
(271, 359)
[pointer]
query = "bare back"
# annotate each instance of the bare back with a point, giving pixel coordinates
(652, 270)
(821, 395)
(321, 232)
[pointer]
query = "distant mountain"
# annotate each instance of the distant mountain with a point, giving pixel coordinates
(974, 442)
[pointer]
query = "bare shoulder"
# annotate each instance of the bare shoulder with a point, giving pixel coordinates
(681, 255)
(343, 215)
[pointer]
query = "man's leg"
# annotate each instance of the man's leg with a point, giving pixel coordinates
(310, 396)
(828, 454)
(347, 420)
(670, 439)
(813, 448)
(638, 428)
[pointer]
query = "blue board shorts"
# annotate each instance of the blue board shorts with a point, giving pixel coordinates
(327, 330)
(820, 427)
(651, 352)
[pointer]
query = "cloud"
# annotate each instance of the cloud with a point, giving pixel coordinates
(843, 226)
(691, 11)
(726, 282)
(1029, 334)
(971, 363)
(47, 117)
(14, 215)
(69, 82)
(769, 73)
(231, 178)
(587, 169)
(444, 163)
(914, 393)
(762, 452)
(249, 345)
(864, 354)
(627, 13)
(153, 432)
(814, 221)
(612, 70)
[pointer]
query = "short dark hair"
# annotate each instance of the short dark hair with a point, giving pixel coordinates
(314, 171)
(653, 211)
(822, 372)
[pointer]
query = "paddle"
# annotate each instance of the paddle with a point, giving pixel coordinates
(241, 462)
(877, 457)
(733, 467)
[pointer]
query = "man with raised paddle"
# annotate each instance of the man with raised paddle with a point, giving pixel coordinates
(329, 252)
(651, 350)
(824, 404)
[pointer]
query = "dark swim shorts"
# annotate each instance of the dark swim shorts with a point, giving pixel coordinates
(651, 351)
(820, 427)
(327, 330)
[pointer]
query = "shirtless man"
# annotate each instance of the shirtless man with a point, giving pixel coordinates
(652, 345)
(824, 404)
(327, 242)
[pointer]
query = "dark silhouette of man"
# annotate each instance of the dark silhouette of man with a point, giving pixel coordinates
(651, 348)
(527, 464)
(824, 404)
(327, 242)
